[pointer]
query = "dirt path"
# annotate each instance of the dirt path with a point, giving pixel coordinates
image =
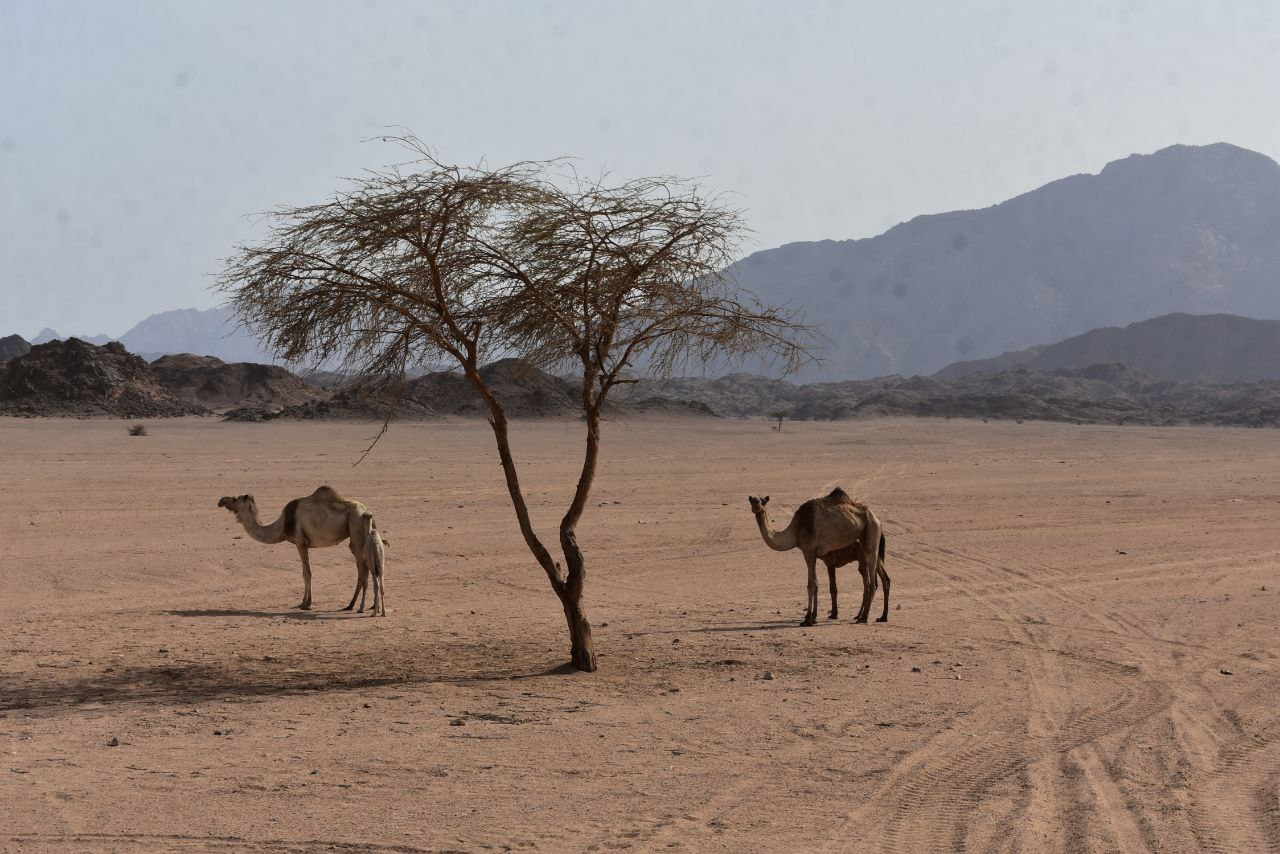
(1053, 681)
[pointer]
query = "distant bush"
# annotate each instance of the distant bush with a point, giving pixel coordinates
(137, 430)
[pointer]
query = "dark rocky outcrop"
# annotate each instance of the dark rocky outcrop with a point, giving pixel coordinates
(73, 377)
(13, 346)
(209, 382)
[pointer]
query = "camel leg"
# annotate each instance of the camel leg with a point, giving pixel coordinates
(379, 597)
(356, 592)
(831, 586)
(867, 592)
(811, 602)
(362, 577)
(305, 605)
(884, 577)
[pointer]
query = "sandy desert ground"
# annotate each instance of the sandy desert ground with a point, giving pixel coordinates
(1084, 657)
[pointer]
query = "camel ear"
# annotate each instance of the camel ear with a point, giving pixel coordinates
(764, 500)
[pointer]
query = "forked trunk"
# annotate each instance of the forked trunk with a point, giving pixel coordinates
(567, 587)
(582, 648)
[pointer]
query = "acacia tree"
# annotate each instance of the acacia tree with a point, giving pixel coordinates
(430, 261)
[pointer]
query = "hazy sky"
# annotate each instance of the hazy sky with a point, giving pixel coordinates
(136, 137)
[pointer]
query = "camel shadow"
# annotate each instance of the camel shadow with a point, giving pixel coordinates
(291, 614)
(770, 626)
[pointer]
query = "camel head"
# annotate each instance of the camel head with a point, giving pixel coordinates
(236, 503)
(757, 504)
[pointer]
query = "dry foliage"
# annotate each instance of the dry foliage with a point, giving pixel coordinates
(431, 262)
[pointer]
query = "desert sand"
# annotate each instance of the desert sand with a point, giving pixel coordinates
(1081, 654)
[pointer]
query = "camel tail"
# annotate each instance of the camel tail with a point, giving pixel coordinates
(882, 548)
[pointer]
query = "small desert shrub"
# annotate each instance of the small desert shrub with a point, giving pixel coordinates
(1019, 421)
(137, 430)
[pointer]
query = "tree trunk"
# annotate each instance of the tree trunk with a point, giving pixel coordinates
(582, 649)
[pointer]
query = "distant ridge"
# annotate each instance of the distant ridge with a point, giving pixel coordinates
(1190, 229)
(206, 332)
(1199, 348)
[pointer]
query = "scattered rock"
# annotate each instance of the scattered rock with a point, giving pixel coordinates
(457, 722)
(1226, 672)
(114, 742)
(767, 676)
(915, 670)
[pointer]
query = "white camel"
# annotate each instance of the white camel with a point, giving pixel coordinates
(323, 518)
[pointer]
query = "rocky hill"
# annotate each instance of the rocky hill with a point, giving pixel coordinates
(525, 392)
(1188, 229)
(1198, 348)
(209, 382)
(1105, 393)
(12, 346)
(74, 377)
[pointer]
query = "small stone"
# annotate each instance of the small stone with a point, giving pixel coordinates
(898, 607)
(915, 670)
(1226, 672)
(957, 676)
(767, 676)
(367, 706)
(114, 742)
(457, 722)
(217, 732)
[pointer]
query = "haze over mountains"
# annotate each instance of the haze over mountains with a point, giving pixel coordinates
(1188, 229)
(1191, 229)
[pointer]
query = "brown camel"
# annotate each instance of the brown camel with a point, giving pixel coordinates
(836, 530)
(323, 518)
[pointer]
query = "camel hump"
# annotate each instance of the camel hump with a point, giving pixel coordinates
(291, 518)
(839, 496)
(325, 492)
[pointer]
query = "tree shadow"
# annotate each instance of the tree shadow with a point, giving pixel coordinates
(190, 683)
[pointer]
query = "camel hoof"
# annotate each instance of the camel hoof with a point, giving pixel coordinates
(305, 606)
(808, 621)
(882, 619)
(859, 619)
(833, 616)
(349, 607)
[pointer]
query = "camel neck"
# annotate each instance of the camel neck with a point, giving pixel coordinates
(779, 541)
(270, 534)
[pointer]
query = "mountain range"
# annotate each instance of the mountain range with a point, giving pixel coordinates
(1192, 229)
(1186, 230)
